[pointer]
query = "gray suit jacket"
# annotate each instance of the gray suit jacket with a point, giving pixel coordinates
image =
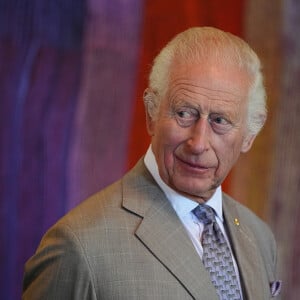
(126, 242)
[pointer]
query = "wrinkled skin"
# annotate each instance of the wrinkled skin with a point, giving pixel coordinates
(201, 127)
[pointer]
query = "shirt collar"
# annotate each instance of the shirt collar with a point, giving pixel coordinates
(181, 204)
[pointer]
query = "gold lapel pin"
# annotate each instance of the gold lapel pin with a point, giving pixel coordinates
(236, 222)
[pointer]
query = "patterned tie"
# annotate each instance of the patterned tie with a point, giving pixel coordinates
(217, 256)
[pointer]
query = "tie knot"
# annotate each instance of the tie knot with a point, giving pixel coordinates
(204, 213)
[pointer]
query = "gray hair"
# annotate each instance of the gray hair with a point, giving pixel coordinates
(195, 45)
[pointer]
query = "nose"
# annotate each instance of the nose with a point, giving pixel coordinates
(198, 140)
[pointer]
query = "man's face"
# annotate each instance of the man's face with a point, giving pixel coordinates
(201, 127)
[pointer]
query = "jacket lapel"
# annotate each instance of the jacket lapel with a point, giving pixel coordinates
(163, 234)
(247, 254)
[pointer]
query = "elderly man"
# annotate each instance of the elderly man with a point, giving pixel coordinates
(166, 230)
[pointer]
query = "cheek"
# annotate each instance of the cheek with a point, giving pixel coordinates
(171, 142)
(170, 135)
(228, 151)
(166, 140)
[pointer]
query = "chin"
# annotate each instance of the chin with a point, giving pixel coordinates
(194, 191)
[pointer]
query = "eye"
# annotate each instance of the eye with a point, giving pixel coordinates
(186, 116)
(220, 120)
(219, 123)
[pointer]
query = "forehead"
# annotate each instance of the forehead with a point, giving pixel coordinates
(211, 80)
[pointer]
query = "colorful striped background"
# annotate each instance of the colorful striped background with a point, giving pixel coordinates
(72, 75)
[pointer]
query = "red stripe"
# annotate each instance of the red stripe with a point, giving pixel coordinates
(161, 23)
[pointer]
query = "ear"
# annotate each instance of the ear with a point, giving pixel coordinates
(148, 102)
(247, 143)
(150, 123)
(249, 138)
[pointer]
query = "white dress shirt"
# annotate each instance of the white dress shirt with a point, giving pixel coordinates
(183, 207)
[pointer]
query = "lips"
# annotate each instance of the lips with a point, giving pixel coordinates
(191, 164)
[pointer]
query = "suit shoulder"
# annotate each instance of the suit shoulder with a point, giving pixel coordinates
(96, 204)
(107, 204)
(96, 221)
(97, 213)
